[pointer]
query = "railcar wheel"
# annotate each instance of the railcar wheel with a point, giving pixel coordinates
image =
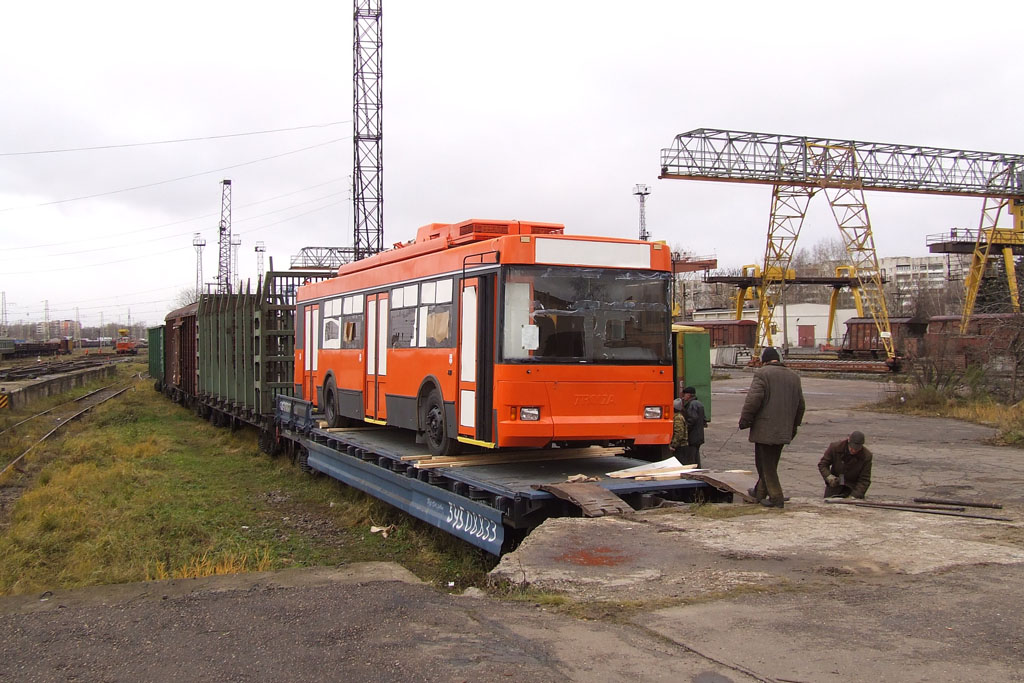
(435, 427)
(266, 441)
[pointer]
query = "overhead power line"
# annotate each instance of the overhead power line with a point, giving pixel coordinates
(168, 251)
(167, 225)
(119, 245)
(174, 180)
(171, 142)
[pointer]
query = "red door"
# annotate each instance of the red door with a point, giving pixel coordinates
(805, 336)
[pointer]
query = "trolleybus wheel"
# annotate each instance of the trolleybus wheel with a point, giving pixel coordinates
(435, 427)
(334, 419)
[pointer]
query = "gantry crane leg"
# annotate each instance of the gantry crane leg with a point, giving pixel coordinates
(851, 214)
(833, 301)
(789, 206)
(988, 232)
(1011, 278)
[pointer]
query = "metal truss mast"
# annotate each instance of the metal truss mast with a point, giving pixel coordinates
(368, 169)
(844, 169)
(224, 244)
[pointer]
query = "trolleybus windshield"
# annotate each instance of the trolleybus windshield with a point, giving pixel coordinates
(556, 314)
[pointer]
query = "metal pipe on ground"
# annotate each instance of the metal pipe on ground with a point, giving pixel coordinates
(967, 503)
(946, 512)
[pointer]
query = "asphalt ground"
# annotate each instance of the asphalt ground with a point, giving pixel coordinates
(812, 593)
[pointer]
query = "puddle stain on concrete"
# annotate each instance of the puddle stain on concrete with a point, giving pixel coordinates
(600, 556)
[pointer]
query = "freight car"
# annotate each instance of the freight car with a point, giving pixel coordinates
(238, 359)
(862, 338)
(728, 332)
(53, 347)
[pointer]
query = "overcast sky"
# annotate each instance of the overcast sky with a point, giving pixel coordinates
(548, 111)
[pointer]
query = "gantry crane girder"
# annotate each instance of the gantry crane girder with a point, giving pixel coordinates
(799, 166)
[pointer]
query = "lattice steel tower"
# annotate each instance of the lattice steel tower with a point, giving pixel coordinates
(261, 248)
(236, 269)
(224, 256)
(368, 168)
(198, 241)
(641, 192)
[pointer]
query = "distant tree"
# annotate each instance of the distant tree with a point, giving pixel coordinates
(186, 297)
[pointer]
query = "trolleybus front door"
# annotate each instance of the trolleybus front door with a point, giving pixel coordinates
(311, 326)
(376, 356)
(476, 359)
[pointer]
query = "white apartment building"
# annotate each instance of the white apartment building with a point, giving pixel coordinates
(919, 272)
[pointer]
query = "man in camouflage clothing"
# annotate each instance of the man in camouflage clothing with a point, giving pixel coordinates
(680, 434)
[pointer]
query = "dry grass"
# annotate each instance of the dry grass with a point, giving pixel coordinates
(141, 489)
(1007, 419)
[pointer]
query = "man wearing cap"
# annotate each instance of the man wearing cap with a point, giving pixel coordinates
(773, 410)
(693, 413)
(680, 435)
(846, 467)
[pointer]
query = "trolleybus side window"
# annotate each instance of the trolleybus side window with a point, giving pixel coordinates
(421, 315)
(404, 301)
(352, 322)
(435, 315)
(332, 324)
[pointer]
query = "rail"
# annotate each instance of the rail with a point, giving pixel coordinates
(96, 394)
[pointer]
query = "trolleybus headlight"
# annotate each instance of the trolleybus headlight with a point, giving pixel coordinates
(529, 414)
(652, 412)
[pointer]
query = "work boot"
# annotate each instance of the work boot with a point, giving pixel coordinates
(769, 503)
(753, 494)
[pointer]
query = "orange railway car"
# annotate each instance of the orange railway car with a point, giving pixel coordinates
(496, 334)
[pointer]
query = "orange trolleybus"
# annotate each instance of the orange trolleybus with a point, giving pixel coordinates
(496, 334)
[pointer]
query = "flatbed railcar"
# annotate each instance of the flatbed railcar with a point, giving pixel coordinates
(231, 357)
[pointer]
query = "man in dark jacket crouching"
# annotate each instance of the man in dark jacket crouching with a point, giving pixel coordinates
(846, 468)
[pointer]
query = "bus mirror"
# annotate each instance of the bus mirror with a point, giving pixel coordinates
(531, 337)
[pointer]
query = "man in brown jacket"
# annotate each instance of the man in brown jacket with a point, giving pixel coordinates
(846, 468)
(773, 410)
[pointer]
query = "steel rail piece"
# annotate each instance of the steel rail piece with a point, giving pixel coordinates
(988, 234)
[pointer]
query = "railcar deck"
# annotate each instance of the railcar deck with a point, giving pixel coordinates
(491, 505)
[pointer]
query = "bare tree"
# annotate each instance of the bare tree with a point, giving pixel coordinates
(187, 296)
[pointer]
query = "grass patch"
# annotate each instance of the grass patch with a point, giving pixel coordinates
(928, 401)
(720, 511)
(142, 489)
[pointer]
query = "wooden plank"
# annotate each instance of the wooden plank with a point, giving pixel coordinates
(552, 454)
(659, 477)
(502, 460)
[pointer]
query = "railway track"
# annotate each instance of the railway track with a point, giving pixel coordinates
(36, 370)
(50, 422)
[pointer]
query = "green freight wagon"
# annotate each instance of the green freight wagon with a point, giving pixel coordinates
(691, 360)
(246, 347)
(156, 355)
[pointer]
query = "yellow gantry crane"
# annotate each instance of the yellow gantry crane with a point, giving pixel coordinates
(797, 167)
